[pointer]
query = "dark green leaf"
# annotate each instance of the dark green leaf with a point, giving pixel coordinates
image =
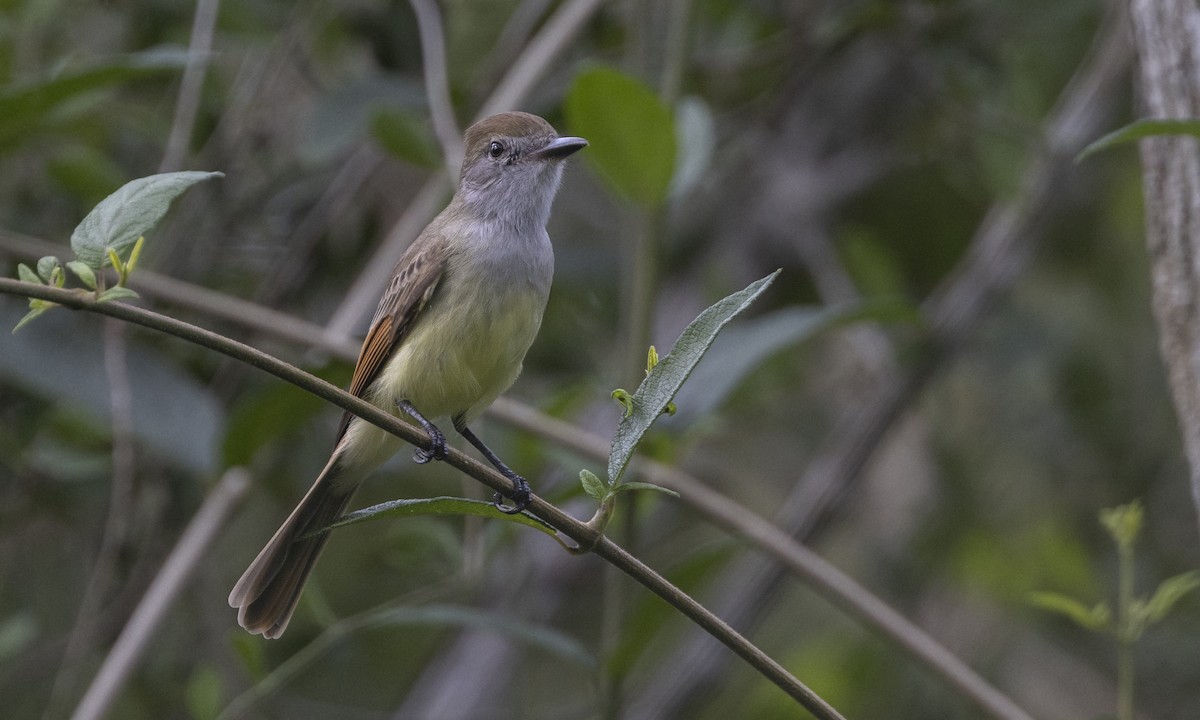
(26, 274)
(646, 486)
(1138, 129)
(129, 213)
(116, 293)
(592, 485)
(660, 386)
(1096, 618)
(437, 506)
(84, 273)
(630, 133)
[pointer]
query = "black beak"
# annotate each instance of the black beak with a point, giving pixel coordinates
(559, 148)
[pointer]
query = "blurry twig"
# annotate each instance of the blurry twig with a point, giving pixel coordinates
(188, 102)
(177, 569)
(437, 84)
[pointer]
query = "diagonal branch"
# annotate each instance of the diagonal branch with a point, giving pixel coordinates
(578, 531)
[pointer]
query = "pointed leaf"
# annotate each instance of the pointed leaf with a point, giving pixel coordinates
(1098, 617)
(437, 506)
(646, 486)
(29, 316)
(26, 274)
(1138, 129)
(1171, 591)
(132, 211)
(660, 386)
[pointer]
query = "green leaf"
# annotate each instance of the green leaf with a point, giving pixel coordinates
(1096, 618)
(26, 274)
(646, 486)
(116, 293)
(1171, 591)
(84, 273)
(1138, 129)
(129, 213)
(593, 486)
(436, 506)
(660, 386)
(406, 135)
(630, 133)
(45, 268)
(29, 316)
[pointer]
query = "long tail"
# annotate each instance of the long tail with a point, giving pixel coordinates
(268, 591)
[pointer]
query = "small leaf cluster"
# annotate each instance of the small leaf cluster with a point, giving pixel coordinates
(112, 234)
(1123, 524)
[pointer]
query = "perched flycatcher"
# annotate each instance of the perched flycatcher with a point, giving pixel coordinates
(449, 336)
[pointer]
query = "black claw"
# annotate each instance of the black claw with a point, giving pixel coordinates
(521, 497)
(437, 448)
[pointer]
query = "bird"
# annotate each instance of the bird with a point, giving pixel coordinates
(449, 336)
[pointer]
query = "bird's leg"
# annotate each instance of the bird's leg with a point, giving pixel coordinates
(521, 494)
(437, 441)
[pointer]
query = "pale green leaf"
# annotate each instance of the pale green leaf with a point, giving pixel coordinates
(646, 486)
(29, 316)
(1098, 617)
(660, 386)
(45, 268)
(27, 274)
(593, 486)
(116, 293)
(1169, 592)
(84, 272)
(129, 213)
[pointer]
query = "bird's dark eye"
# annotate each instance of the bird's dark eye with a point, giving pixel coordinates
(496, 149)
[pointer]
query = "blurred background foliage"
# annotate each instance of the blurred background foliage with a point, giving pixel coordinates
(857, 145)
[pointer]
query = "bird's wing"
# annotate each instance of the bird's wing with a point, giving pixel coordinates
(414, 282)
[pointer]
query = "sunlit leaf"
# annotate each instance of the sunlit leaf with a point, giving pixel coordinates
(129, 213)
(630, 133)
(84, 272)
(116, 293)
(660, 386)
(593, 485)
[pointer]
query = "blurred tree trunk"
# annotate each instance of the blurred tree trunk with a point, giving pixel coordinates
(1167, 39)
